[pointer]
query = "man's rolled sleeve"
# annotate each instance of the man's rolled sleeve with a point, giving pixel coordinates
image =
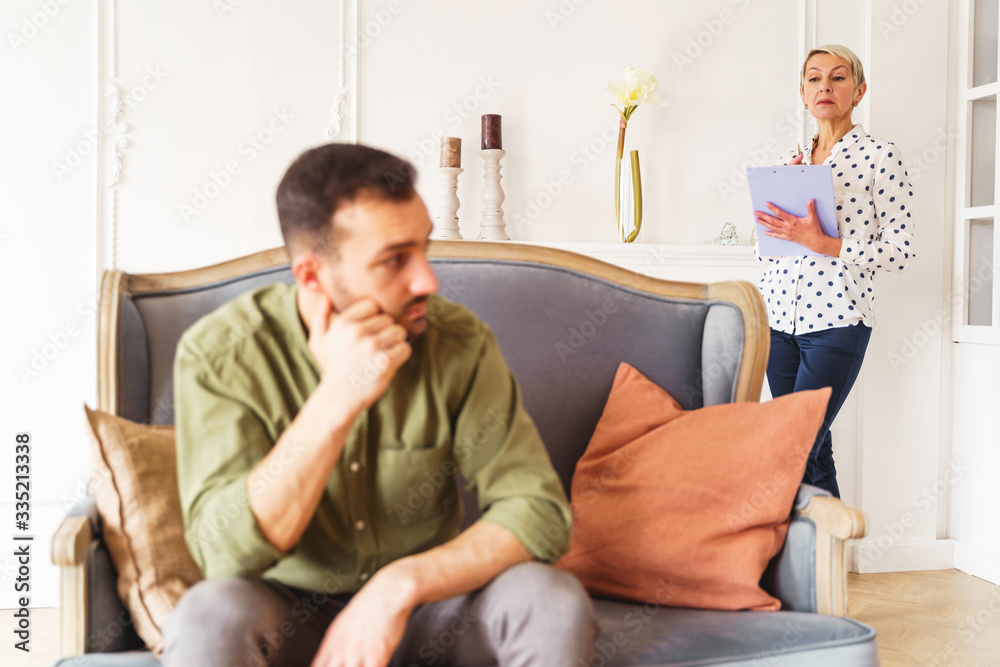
(223, 534)
(542, 528)
(505, 462)
(219, 441)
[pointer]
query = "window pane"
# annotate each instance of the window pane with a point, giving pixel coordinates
(979, 278)
(984, 49)
(984, 149)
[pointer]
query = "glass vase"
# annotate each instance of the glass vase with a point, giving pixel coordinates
(628, 198)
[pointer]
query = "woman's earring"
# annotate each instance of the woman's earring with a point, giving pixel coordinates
(805, 106)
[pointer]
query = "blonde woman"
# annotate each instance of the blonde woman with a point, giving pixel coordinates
(821, 307)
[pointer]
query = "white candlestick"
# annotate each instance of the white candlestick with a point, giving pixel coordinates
(493, 225)
(446, 210)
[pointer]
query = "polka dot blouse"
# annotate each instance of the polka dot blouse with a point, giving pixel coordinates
(873, 197)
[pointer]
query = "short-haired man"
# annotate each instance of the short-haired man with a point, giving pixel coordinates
(306, 416)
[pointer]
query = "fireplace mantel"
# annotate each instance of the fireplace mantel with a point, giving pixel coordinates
(694, 263)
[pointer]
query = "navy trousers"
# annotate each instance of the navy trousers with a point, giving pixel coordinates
(830, 358)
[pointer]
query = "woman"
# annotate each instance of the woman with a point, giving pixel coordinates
(821, 307)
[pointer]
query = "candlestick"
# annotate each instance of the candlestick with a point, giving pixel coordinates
(446, 209)
(451, 152)
(492, 134)
(493, 225)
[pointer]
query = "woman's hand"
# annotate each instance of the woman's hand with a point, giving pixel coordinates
(804, 231)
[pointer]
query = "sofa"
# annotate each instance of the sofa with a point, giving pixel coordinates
(706, 344)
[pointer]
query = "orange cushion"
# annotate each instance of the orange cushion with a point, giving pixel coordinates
(686, 508)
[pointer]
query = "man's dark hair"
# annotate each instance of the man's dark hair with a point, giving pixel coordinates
(324, 179)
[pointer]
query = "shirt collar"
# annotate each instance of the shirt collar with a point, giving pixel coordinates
(843, 143)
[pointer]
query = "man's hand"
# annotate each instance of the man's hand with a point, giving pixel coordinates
(359, 352)
(361, 347)
(368, 630)
(804, 231)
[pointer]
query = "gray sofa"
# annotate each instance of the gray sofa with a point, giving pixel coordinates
(564, 322)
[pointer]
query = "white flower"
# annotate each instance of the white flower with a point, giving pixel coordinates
(636, 87)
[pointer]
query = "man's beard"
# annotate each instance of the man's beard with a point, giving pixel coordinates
(414, 327)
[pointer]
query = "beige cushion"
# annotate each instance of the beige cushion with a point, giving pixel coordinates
(135, 485)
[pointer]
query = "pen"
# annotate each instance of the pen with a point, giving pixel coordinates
(799, 146)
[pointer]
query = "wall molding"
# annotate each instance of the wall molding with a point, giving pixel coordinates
(353, 18)
(112, 136)
(977, 561)
(347, 71)
(336, 115)
(116, 112)
(868, 556)
(114, 140)
(945, 554)
(808, 28)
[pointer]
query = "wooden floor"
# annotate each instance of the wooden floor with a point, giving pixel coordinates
(939, 618)
(935, 618)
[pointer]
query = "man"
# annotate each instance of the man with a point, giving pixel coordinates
(319, 428)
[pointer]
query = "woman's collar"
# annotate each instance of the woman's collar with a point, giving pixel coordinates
(853, 134)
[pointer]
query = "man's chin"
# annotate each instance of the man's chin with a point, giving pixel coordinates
(415, 326)
(414, 319)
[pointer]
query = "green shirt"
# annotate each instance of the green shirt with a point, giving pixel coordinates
(243, 372)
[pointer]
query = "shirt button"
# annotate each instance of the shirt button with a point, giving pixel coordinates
(363, 576)
(359, 525)
(355, 466)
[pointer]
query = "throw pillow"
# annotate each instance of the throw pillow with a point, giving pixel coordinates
(135, 486)
(686, 508)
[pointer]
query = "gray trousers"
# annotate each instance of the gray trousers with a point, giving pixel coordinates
(529, 615)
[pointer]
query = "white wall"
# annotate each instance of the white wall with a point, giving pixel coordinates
(231, 97)
(903, 393)
(732, 100)
(48, 264)
(431, 69)
(197, 83)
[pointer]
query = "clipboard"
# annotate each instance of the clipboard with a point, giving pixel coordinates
(790, 188)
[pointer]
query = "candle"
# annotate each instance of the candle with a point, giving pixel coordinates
(491, 131)
(451, 152)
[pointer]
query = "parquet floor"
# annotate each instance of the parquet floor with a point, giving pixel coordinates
(935, 618)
